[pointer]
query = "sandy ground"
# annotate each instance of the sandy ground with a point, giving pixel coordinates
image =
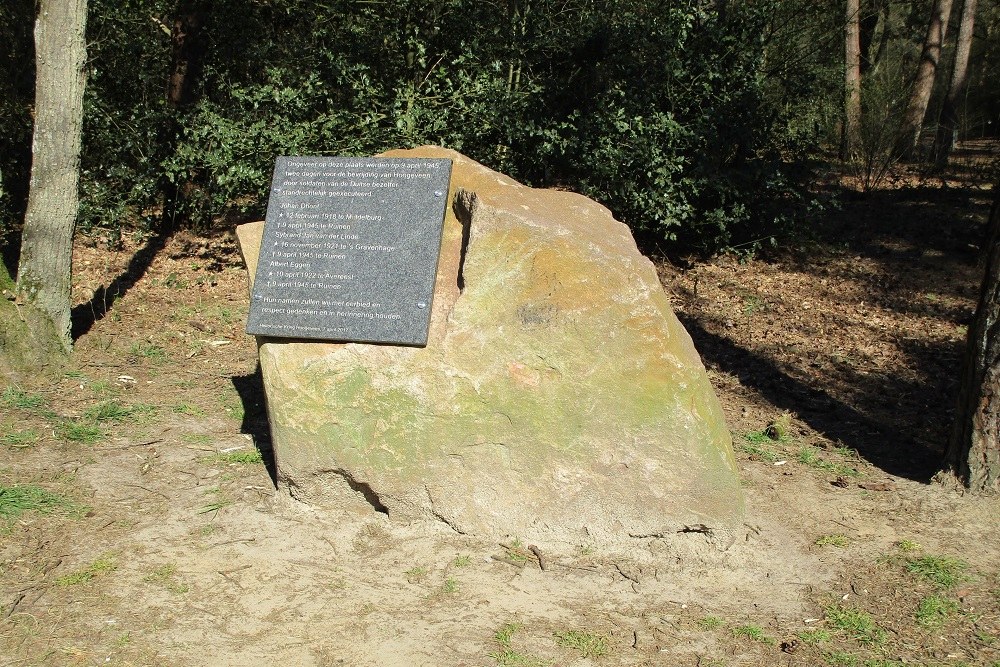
(178, 549)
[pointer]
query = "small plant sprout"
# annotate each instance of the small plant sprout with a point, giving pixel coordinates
(449, 586)
(832, 541)
(462, 561)
(907, 546)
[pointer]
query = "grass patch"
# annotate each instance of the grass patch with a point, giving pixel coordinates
(855, 624)
(187, 409)
(113, 411)
(147, 350)
(462, 561)
(19, 439)
(506, 656)
(760, 445)
(754, 632)
(814, 637)
(942, 571)
(221, 500)
(251, 457)
(907, 546)
(934, 610)
(710, 622)
(13, 397)
(77, 430)
(840, 659)
(16, 500)
(99, 567)
(449, 586)
(165, 576)
(588, 644)
(832, 541)
(810, 456)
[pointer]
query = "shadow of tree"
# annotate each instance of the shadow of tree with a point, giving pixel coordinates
(86, 314)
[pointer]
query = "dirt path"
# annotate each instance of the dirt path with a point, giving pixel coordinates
(168, 545)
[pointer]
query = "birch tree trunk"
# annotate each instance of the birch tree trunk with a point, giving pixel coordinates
(45, 264)
(948, 125)
(973, 457)
(923, 86)
(852, 80)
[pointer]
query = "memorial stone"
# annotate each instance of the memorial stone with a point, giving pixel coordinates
(350, 249)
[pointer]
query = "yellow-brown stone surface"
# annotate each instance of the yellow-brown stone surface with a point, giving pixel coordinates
(558, 399)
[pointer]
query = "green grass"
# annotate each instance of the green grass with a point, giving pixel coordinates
(113, 411)
(588, 644)
(449, 586)
(13, 397)
(840, 659)
(251, 457)
(19, 439)
(934, 610)
(856, 624)
(754, 632)
(710, 622)
(759, 444)
(16, 500)
(832, 541)
(99, 567)
(186, 409)
(506, 656)
(817, 636)
(221, 500)
(462, 561)
(147, 350)
(80, 431)
(810, 456)
(907, 545)
(165, 576)
(942, 571)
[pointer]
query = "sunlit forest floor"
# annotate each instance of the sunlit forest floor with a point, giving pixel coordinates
(141, 525)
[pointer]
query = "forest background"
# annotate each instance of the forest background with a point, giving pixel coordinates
(701, 124)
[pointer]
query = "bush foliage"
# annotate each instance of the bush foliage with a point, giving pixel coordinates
(689, 119)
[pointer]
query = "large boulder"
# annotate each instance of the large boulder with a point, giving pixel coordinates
(558, 398)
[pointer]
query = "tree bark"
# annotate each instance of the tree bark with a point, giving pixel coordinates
(852, 80)
(947, 127)
(973, 456)
(45, 265)
(187, 53)
(923, 85)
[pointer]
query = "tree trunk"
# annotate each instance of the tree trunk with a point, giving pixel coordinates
(44, 269)
(947, 127)
(973, 457)
(923, 85)
(187, 53)
(852, 80)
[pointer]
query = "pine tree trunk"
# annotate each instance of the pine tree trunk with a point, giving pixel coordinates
(973, 457)
(947, 127)
(44, 269)
(923, 86)
(852, 80)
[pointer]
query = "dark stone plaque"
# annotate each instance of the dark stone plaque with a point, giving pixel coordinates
(350, 249)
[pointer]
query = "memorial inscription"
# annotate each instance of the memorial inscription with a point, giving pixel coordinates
(350, 249)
